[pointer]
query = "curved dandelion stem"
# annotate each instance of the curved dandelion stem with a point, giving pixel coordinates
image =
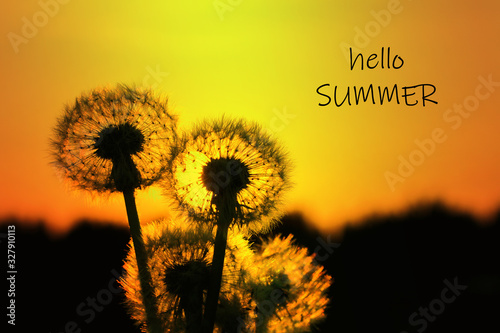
(153, 323)
(225, 218)
(116, 140)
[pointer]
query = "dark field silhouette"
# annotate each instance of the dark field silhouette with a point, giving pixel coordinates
(429, 269)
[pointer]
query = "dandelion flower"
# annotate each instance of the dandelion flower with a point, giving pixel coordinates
(229, 160)
(113, 139)
(180, 260)
(288, 288)
(117, 140)
(226, 173)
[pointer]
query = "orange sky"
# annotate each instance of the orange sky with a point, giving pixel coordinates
(264, 61)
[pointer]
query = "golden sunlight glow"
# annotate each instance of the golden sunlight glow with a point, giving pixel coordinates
(190, 184)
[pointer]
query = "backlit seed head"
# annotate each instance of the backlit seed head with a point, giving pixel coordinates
(179, 258)
(231, 166)
(297, 285)
(112, 139)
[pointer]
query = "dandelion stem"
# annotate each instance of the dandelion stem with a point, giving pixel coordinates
(193, 310)
(213, 291)
(152, 320)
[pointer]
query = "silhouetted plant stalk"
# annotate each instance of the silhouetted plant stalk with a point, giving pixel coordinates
(225, 216)
(154, 325)
(114, 140)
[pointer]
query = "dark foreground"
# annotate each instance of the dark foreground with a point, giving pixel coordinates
(428, 270)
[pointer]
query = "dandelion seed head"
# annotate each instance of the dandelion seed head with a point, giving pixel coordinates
(180, 255)
(287, 277)
(229, 158)
(110, 133)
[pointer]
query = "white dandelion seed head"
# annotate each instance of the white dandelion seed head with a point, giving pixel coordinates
(229, 159)
(113, 133)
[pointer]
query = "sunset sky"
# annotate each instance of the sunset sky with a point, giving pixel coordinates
(264, 61)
